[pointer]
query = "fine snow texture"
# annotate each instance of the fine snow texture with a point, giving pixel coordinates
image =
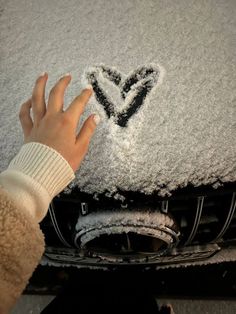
(118, 222)
(183, 131)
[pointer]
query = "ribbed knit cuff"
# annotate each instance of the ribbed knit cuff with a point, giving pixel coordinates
(45, 165)
(35, 176)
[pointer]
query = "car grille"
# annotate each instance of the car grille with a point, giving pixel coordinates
(205, 222)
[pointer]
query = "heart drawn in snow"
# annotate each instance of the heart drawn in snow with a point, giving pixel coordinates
(141, 82)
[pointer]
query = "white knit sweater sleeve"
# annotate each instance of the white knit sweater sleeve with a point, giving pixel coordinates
(35, 176)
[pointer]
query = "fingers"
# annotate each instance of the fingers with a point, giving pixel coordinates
(25, 118)
(38, 98)
(56, 96)
(86, 132)
(77, 106)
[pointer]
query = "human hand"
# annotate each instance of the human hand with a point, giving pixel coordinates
(54, 127)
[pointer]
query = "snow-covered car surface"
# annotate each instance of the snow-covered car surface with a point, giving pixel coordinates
(164, 80)
(179, 56)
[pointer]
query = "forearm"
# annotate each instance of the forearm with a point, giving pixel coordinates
(33, 178)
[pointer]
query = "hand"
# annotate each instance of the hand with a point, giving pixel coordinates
(54, 127)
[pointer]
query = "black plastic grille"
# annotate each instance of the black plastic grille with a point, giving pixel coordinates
(206, 217)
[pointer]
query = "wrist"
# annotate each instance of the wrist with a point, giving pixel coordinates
(35, 176)
(44, 165)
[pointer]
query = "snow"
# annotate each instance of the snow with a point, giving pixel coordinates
(142, 222)
(185, 130)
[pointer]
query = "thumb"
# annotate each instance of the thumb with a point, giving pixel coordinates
(87, 130)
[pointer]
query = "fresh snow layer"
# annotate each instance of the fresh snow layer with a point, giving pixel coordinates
(183, 133)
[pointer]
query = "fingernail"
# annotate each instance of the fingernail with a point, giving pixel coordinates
(42, 74)
(89, 86)
(96, 118)
(67, 74)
